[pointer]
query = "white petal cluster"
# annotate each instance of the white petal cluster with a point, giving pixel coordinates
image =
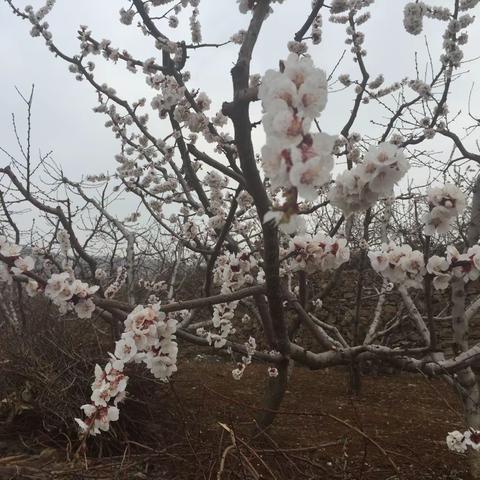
(318, 253)
(171, 94)
(190, 230)
(399, 264)
(439, 268)
(117, 284)
(291, 99)
(339, 6)
(359, 188)
(149, 337)
(465, 265)
(8, 249)
(452, 40)
(317, 30)
(244, 5)
(126, 16)
(156, 287)
(377, 82)
(413, 17)
(217, 184)
(445, 202)
(288, 223)
(108, 389)
(238, 37)
(468, 4)
(245, 200)
(414, 12)
(247, 5)
(298, 48)
(36, 17)
(195, 27)
(173, 21)
(250, 347)
(235, 271)
(63, 239)
(413, 22)
(454, 265)
(31, 287)
(191, 115)
(272, 372)
(65, 291)
(459, 442)
(21, 264)
(422, 88)
(232, 273)
(100, 274)
(69, 293)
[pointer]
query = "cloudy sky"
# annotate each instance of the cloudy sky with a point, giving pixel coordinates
(63, 120)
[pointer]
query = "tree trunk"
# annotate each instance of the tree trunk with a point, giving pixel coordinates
(471, 403)
(355, 379)
(473, 233)
(467, 380)
(274, 392)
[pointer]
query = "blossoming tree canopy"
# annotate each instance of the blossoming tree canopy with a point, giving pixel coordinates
(260, 221)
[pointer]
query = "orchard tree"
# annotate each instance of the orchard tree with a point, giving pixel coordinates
(261, 221)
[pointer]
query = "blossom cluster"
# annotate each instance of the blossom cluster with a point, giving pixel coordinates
(403, 266)
(195, 27)
(413, 22)
(238, 37)
(63, 289)
(68, 293)
(11, 252)
(217, 184)
(317, 30)
(232, 272)
(294, 158)
(318, 253)
(454, 265)
(149, 337)
(359, 188)
(117, 284)
(171, 93)
(291, 99)
(250, 347)
(399, 265)
(414, 12)
(459, 442)
(452, 40)
(156, 287)
(422, 88)
(35, 17)
(247, 5)
(63, 239)
(191, 113)
(126, 16)
(100, 274)
(445, 203)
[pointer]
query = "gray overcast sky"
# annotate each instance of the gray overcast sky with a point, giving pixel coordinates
(63, 118)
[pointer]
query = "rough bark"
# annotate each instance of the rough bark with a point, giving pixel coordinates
(467, 380)
(273, 395)
(238, 111)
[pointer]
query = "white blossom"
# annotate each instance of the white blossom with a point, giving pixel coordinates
(445, 203)
(399, 264)
(318, 253)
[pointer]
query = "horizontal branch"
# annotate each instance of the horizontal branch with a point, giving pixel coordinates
(188, 304)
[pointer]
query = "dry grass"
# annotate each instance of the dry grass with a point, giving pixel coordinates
(201, 426)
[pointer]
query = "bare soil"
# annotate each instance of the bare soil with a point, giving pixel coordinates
(202, 426)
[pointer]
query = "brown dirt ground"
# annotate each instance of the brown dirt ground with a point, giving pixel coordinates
(395, 429)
